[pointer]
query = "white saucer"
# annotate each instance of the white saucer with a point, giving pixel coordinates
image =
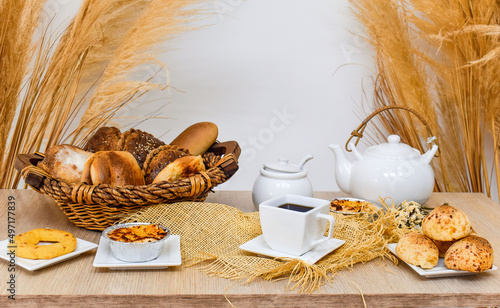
(259, 246)
(440, 270)
(33, 265)
(170, 256)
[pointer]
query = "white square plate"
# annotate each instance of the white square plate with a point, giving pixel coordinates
(259, 246)
(33, 265)
(169, 256)
(440, 270)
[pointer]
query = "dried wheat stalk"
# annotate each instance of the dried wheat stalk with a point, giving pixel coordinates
(88, 66)
(440, 58)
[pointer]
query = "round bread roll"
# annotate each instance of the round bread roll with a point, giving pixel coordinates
(472, 254)
(115, 168)
(65, 162)
(159, 158)
(105, 139)
(197, 138)
(446, 223)
(418, 250)
(181, 168)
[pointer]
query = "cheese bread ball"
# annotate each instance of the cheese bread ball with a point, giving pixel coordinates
(418, 250)
(446, 223)
(443, 246)
(472, 254)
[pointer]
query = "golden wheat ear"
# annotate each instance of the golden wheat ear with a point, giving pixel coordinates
(442, 66)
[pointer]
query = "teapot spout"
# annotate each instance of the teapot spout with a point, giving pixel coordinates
(342, 168)
(427, 156)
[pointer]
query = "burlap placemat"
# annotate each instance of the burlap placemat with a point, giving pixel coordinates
(211, 234)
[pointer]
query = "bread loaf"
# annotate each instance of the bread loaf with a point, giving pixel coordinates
(106, 138)
(472, 254)
(65, 162)
(139, 144)
(197, 138)
(181, 168)
(158, 159)
(115, 168)
(418, 250)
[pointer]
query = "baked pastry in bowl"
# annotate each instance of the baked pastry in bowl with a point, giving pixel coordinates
(136, 241)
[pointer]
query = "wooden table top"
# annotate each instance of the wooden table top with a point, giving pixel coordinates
(76, 282)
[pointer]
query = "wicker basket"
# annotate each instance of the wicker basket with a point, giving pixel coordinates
(96, 207)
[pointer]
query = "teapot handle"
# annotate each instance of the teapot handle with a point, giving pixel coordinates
(358, 132)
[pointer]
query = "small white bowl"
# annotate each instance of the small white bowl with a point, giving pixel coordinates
(135, 252)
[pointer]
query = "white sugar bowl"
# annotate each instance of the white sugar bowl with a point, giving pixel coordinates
(281, 178)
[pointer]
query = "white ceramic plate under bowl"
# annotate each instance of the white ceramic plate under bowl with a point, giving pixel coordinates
(352, 199)
(259, 246)
(440, 270)
(33, 265)
(169, 256)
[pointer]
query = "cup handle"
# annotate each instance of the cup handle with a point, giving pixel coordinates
(331, 219)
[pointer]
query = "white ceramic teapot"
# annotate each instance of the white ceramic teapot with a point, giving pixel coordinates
(281, 178)
(391, 169)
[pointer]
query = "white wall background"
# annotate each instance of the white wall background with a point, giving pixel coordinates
(271, 75)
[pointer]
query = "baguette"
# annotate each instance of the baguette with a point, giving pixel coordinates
(197, 138)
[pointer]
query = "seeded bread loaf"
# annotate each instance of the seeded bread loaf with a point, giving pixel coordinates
(139, 144)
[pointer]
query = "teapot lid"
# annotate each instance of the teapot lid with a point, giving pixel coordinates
(393, 149)
(282, 166)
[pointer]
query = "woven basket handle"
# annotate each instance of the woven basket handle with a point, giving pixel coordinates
(26, 165)
(358, 132)
(231, 151)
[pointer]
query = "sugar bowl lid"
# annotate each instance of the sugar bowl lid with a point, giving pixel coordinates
(282, 165)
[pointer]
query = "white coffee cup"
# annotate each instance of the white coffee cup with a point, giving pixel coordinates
(292, 231)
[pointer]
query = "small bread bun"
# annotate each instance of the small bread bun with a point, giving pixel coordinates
(105, 139)
(418, 250)
(197, 138)
(181, 168)
(65, 162)
(139, 143)
(446, 223)
(115, 168)
(159, 158)
(443, 246)
(472, 254)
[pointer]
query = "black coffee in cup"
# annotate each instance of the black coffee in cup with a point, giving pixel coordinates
(295, 207)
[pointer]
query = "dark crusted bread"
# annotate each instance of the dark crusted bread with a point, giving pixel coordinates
(105, 139)
(139, 144)
(159, 158)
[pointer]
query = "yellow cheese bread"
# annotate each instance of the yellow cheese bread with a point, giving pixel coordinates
(418, 250)
(27, 244)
